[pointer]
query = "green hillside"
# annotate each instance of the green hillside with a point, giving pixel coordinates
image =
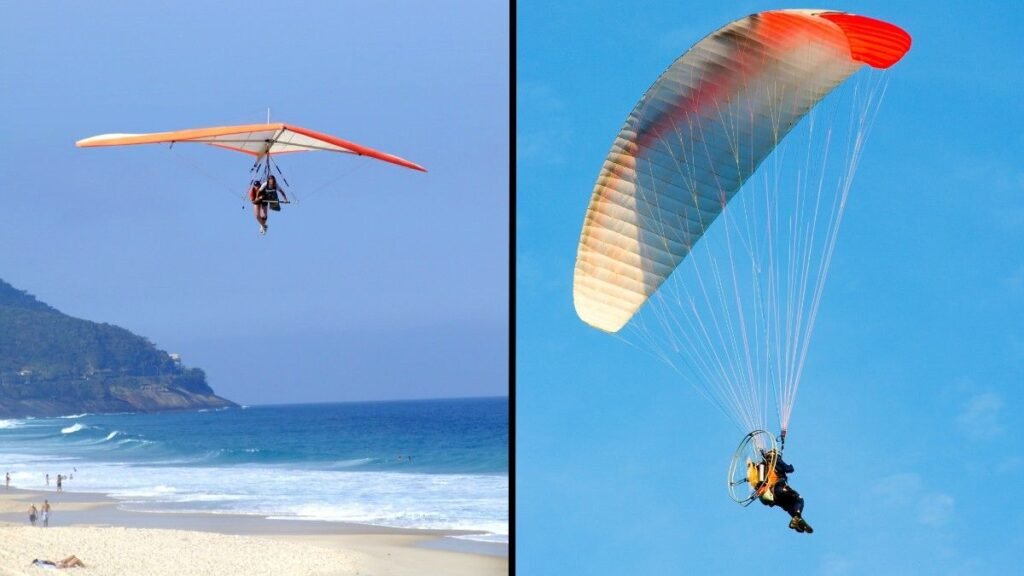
(51, 364)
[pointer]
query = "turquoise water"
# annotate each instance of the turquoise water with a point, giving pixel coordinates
(408, 464)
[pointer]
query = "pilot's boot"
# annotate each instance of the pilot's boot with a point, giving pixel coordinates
(796, 524)
(800, 525)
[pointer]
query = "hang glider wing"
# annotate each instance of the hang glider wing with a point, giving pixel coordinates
(254, 139)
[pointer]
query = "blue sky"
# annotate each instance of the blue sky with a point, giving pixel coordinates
(903, 431)
(382, 283)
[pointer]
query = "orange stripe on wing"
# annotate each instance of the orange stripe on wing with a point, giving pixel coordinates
(356, 148)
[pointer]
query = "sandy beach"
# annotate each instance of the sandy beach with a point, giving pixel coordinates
(115, 542)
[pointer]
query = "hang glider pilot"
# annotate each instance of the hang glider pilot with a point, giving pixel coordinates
(266, 195)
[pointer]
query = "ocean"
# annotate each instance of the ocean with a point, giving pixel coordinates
(438, 464)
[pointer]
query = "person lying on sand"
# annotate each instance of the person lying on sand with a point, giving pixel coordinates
(69, 562)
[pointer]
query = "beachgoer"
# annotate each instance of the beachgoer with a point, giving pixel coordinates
(60, 487)
(69, 562)
(46, 513)
(267, 197)
(8, 480)
(47, 479)
(32, 514)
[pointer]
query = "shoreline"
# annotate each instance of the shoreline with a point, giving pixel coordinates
(364, 549)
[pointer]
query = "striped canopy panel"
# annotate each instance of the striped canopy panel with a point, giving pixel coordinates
(698, 134)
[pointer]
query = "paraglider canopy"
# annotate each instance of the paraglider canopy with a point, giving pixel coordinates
(254, 139)
(698, 134)
(736, 320)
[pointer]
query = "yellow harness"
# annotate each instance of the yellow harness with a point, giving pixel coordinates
(762, 479)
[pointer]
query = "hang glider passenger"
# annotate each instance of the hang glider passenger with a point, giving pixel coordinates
(259, 209)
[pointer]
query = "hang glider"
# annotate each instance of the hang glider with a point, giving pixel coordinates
(259, 140)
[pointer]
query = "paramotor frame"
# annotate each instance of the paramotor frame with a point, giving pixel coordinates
(756, 448)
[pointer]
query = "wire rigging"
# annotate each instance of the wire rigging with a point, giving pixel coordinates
(736, 317)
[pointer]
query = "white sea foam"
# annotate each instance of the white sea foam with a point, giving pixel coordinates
(16, 458)
(461, 502)
(74, 416)
(351, 463)
(129, 442)
(144, 493)
(155, 473)
(498, 538)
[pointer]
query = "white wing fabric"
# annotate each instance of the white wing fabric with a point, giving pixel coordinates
(698, 134)
(253, 139)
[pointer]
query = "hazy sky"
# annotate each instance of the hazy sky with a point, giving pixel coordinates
(903, 431)
(381, 283)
